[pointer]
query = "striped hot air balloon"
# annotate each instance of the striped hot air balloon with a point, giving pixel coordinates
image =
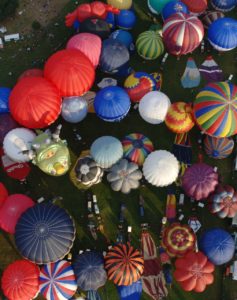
(182, 33)
(211, 16)
(215, 109)
(124, 264)
(218, 147)
(149, 45)
(57, 281)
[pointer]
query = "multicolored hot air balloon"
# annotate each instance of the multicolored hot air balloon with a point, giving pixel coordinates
(182, 33)
(179, 117)
(223, 202)
(218, 148)
(136, 147)
(194, 272)
(199, 181)
(196, 6)
(178, 239)
(57, 281)
(215, 109)
(226, 5)
(210, 16)
(124, 264)
(20, 280)
(149, 45)
(191, 77)
(210, 70)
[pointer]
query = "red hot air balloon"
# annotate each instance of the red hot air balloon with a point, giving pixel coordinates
(20, 280)
(182, 33)
(194, 272)
(196, 6)
(31, 73)
(3, 194)
(35, 102)
(70, 71)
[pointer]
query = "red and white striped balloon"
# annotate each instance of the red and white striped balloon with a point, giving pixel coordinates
(182, 33)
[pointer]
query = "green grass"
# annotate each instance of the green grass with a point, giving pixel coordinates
(74, 200)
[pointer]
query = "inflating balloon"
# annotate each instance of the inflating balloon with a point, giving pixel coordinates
(74, 109)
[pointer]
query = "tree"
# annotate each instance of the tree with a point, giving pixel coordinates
(7, 8)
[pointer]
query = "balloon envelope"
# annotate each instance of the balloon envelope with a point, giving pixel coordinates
(95, 26)
(149, 45)
(44, 233)
(35, 102)
(191, 77)
(123, 37)
(31, 73)
(157, 6)
(4, 99)
(89, 44)
(226, 5)
(173, 7)
(161, 168)
(74, 109)
(70, 71)
(199, 181)
(196, 6)
(20, 280)
(218, 148)
(210, 16)
(3, 194)
(120, 4)
(112, 103)
(218, 245)
(130, 292)
(153, 107)
(126, 19)
(210, 70)
(7, 123)
(13, 207)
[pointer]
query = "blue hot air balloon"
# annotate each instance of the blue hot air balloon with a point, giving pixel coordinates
(126, 19)
(130, 292)
(123, 37)
(174, 7)
(112, 103)
(224, 6)
(4, 96)
(222, 34)
(110, 19)
(218, 245)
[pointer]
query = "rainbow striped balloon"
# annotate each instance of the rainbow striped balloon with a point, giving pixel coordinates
(57, 281)
(215, 109)
(136, 147)
(149, 45)
(218, 147)
(179, 117)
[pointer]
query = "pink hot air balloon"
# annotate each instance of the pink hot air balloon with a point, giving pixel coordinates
(199, 181)
(182, 33)
(12, 209)
(89, 44)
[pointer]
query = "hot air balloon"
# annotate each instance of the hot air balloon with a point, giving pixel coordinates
(74, 109)
(222, 34)
(70, 71)
(182, 33)
(17, 142)
(224, 6)
(196, 6)
(178, 239)
(210, 16)
(57, 281)
(157, 6)
(194, 272)
(215, 109)
(3, 194)
(218, 148)
(138, 84)
(173, 7)
(130, 292)
(179, 117)
(35, 102)
(199, 181)
(112, 104)
(161, 168)
(136, 147)
(31, 73)
(106, 151)
(114, 56)
(210, 70)
(4, 99)
(89, 44)
(126, 19)
(149, 45)
(223, 202)
(7, 123)
(123, 37)
(44, 233)
(20, 280)
(120, 4)
(218, 245)
(13, 207)
(90, 272)
(191, 77)
(96, 27)
(153, 107)
(124, 264)
(124, 176)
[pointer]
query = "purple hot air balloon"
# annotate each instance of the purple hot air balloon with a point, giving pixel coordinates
(199, 181)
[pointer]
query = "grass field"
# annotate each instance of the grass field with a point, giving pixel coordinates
(15, 59)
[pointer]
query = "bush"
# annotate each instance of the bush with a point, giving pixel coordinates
(36, 25)
(7, 8)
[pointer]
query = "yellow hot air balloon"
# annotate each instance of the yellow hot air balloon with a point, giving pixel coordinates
(120, 4)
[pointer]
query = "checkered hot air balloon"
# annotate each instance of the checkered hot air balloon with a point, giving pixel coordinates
(215, 109)
(218, 148)
(182, 33)
(57, 281)
(124, 264)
